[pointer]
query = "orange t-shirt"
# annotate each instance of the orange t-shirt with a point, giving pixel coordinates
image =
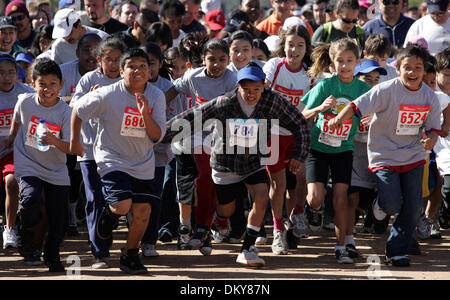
(271, 25)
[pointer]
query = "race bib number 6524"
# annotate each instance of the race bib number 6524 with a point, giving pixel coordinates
(411, 119)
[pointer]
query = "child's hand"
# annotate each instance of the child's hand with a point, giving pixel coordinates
(294, 166)
(429, 142)
(444, 131)
(330, 102)
(335, 123)
(48, 139)
(94, 87)
(366, 120)
(142, 103)
(76, 148)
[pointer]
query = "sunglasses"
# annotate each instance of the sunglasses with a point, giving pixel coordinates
(348, 21)
(393, 2)
(18, 18)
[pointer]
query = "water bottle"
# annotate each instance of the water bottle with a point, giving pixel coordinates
(40, 131)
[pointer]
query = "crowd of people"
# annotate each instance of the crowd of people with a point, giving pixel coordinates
(196, 126)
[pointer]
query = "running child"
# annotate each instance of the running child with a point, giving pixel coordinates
(379, 48)
(40, 171)
(241, 50)
(397, 149)
(286, 74)
(130, 117)
(332, 150)
(108, 57)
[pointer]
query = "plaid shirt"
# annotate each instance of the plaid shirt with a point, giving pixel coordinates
(270, 107)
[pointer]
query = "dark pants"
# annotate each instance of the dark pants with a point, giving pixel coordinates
(151, 234)
(95, 202)
(446, 192)
(56, 205)
(170, 213)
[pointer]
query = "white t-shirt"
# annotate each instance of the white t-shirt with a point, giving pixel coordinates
(391, 73)
(50, 166)
(89, 128)
(7, 103)
(290, 84)
(437, 36)
(71, 76)
(63, 51)
(176, 41)
(442, 147)
(122, 143)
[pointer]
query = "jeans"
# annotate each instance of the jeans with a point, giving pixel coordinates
(170, 213)
(400, 193)
(446, 192)
(95, 202)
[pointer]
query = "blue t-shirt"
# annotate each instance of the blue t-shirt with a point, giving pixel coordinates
(396, 33)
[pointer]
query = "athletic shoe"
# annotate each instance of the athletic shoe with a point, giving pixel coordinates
(262, 237)
(343, 257)
(221, 234)
(300, 229)
(164, 235)
(148, 250)
(279, 244)
(291, 239)
(34, 259)
(423, 227)
(351, 250)
(10, 238)
(130, 262)
(198, 238)
(106, 224)
(184, 235)
(55, 266)
(206, 247)
(398, 261)
(435, 230)
(250, 258)
(314, 218)
(99, 263)
(378, 213)
(380, 218)
(328, 222)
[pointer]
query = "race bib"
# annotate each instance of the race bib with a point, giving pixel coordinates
(200, 100)
(73, 89)
(411, 119)
(190, 104)
(133, 123)
(31, 138)
(362, 133)
(334, 137)
(293, 96)
(6, 116)
(243, 132)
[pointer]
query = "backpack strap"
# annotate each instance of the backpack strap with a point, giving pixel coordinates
(327, 27)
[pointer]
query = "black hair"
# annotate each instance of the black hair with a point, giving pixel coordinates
(8, 58)
(111, 42)
(443, 60)
(260, 44)
(216, 44)
(298, 30)
(240, 35)
(378, 44)
(316, 2)
(146, 16)
(131, 53)
(170, 55)
(159, 31)
(430, 64)
(349, 4)
(412, 50)
(127, 2)
(172, 8)
(88, 36)
(45, 31)
(191, 47)
(45, 66)
(153, 49)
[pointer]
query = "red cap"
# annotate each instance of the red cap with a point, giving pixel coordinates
(215, 19)
(364, 3)
(17, 6)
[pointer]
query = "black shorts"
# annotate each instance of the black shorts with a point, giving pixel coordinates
(186, 174)
(227, 193)
(291, 180)
(319, 166)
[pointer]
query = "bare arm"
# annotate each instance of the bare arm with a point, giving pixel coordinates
(313, 112)
(75, 137)
(12, 134)
(446, 124)
(171, 94)
(345, 114)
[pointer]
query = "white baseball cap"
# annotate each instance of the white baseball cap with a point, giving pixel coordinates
(272, 42)
(64, 20)
(293, 21)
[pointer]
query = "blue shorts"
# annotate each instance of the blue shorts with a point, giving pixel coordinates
(118, 186)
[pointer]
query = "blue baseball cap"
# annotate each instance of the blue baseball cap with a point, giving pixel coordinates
(26, 57)
(251, 73)
(368, 66)
(21, 73)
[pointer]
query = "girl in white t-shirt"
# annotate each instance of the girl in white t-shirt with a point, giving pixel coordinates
(286, 75)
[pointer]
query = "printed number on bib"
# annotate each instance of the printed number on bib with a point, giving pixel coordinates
(334, 137)
(243, 132)
(362, 133)
(133, 123)
(31, 138)
(293, 96)
(411, 119)
(6, 116)
(200, 100)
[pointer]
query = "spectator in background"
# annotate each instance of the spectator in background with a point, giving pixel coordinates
(208, 5)
(136, 34)
(39, 17)
(330, 11)
(45, 5)
(214, 23)
(282, 11)
(99, 19)
(128, 12)
(150, 4)
(320, 17)
(171, 13)
(8, 36)
(43, 40)
(391, 23)
(190, 18)
(252, 9)
(434, 27)
(114, 8)
(422, 10)
(74, 4)
(363, 6)
(413, 12)
(18, 11)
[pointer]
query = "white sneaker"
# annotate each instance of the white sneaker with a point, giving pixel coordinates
(300, 229)
(9, 238)
(378, 213)
(250, 258)
(261, 240)
(148, 250)
(279, 244)
(424, 227)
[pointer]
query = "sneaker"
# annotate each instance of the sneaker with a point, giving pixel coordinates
(55, 266)
(250, 258)
(291, 239)
(314, 218)
(148, 250)
(198, 238)
(351, 250)
(343, 257)
(398, 261)
(221, 234)
(300, 229)
(99, 263)
(424, 227)
(106, 224)
(130, 262)
(262, 237)
(206, 247)
(279, 244)
(328, 222)
(10, 238)
(435, 232)
(34, 259)
(378, 213)
(164, 235)
(184, 236)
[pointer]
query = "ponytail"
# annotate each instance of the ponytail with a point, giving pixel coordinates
(321, 60)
